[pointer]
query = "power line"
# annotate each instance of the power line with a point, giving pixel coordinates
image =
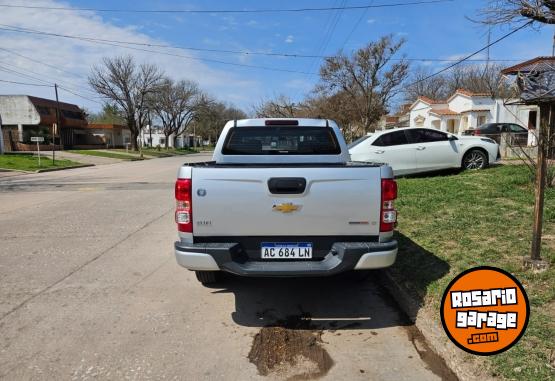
(20, 74)
(24, 83)
(105, 42)
(47, 84)
(355, 27)
(329, 26)
(285, 10)
(54, 80)
(470, 55)
(79, 95)
(10, 28)
(39, 62)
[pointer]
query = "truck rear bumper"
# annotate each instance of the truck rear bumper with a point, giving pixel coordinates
(343, 256)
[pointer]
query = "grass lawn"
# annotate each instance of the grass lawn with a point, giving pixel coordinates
(105, 153)
(25, 162)
(450, 223)
(167, 152)
(157, 153)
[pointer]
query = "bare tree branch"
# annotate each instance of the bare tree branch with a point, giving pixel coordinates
(120, 80)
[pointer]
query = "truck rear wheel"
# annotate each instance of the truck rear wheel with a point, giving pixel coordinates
(207, 277)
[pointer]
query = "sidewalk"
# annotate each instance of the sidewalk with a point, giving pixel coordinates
(85, 159)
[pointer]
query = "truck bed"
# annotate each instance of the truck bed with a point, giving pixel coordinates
(213, 164)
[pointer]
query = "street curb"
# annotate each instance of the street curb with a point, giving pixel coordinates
(463, 365)
(62, 169)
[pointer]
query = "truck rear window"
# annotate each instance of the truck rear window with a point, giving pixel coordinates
(281, 141)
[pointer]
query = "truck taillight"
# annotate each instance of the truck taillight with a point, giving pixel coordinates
(388, 214)
(183, 205)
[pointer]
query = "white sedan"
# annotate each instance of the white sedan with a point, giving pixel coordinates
(414, 150)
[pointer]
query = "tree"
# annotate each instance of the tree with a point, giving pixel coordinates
(511, 11)
(368, 77)
(337, 107)
(209, 121)
(175, 105)
(110, 114)
(434, 87)
(129, 86)
(484, 78)
(280, 107)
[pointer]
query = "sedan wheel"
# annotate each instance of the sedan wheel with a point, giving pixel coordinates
(475, 159)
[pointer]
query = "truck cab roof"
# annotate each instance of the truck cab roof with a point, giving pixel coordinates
(284, 141)
(264, 122)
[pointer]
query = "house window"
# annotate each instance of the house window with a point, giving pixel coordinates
(162, 141)
(481, 120)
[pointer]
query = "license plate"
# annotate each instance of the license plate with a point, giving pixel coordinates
(286, 250)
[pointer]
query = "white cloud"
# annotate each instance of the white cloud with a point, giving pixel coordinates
(371, 21)
(289, 39)
(299, 84)
(77, 57)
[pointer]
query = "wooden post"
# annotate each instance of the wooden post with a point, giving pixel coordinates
(547, 114)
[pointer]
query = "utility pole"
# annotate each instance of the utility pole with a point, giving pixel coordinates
(553, 49)
(58, 127)
(547, 114)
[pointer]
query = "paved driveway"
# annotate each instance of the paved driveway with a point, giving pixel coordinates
(89, 289)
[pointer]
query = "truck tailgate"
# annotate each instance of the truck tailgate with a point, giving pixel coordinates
(237, 201)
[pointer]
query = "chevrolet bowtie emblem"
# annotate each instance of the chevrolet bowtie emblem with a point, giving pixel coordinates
(286, 208)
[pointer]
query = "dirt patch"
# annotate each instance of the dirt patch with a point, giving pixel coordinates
(290, 349)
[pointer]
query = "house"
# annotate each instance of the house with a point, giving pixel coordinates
(466, 110)
(108, 135)
(152, 136)
(398, 120)
(188, 141)
(25, 116)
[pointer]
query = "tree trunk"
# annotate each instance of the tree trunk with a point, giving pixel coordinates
(166, 141)
(134, 140)
(132, 126)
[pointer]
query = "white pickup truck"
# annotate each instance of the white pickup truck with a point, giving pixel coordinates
(282, 198)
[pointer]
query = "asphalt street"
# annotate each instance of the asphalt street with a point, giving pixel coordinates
(89, 289)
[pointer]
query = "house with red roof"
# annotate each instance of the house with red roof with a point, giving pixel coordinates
(466, 110)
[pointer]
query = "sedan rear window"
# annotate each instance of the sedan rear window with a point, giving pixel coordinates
(285, 140)
(391, 139)
(421, 135)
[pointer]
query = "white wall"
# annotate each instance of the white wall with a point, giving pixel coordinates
(157, 139)
(518, 114)
(18, 109)
(420, 109)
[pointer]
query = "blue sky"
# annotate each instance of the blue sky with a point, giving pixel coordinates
(432, 31)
